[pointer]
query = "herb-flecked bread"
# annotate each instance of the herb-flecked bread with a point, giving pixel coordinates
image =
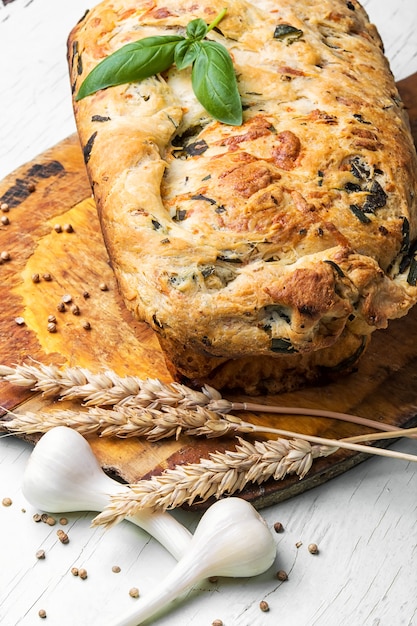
(264, 255)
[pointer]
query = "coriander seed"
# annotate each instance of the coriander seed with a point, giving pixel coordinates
(217, 622)
(5, 220)
(36, 517)
(278, 527)
(7, 502)
(68, 228)
(19, 321)
(31, 187)
(40, 554)
(134, 592)
(61, 307)
(282, 575)
(74, 571)
(116, 569)
(63, 521)
(58, 228)
(5, 256)
(47, 277)
(86, 295)
(82, 573)
(52, 319)
(264, 606)
(42, 613)
(51, 327)
(51, 521)
(62, 536)
(4, 207)
(313, 548)
(103, 287)
(36, 278)
(67, 298)
(86, 325)
(75, 310)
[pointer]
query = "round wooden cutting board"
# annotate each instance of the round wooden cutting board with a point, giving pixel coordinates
(56, 251)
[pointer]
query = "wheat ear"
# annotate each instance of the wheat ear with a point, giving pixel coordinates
(222, 473)
(108, 389)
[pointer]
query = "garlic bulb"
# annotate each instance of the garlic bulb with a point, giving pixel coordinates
(231, 539)
(62, 475)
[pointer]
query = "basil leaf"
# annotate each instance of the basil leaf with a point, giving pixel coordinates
(185, 54)
(288, 33)
(133, 62)
(214, 83)
(196, 29)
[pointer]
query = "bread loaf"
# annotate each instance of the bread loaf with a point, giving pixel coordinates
(263, 255)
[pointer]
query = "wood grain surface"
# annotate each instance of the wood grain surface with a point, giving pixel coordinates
(53, 232)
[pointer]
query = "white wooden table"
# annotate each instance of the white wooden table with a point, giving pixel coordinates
(364, 522)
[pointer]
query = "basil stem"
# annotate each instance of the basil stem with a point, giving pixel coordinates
(132, 62)
(214, 83)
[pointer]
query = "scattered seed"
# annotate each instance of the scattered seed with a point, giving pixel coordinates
(47, 277)
(282, 575)
(75, 310)
(36, 278)
(42, 613)
(217, 622)
(61, 307)
(31, 187)
(86, 295)
(264, 606)
(51, 327)
(5, 220)
(213, 579)
(51, 521)
(5, 256)
(63, 521)
(67, 298)
(4, 207)
(19, 321)
(313, 548)
(40, 554)
(7, 502)
(134, 592)
(52, 319)
(298, 544)
(63, 537)
(278, 527)
(36, 517)
(74, 571)
(103, 287)
(82, 573)
(58, 228)
(116, 569)
(23, 510)
(68, 228)
(86, 325)
(44, 517)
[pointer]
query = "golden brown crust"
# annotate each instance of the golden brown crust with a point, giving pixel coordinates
(264, 249)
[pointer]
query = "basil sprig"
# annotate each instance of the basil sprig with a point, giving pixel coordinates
(213, 77)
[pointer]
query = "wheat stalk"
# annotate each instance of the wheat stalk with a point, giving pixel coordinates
(221, 473)
(108, 389)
